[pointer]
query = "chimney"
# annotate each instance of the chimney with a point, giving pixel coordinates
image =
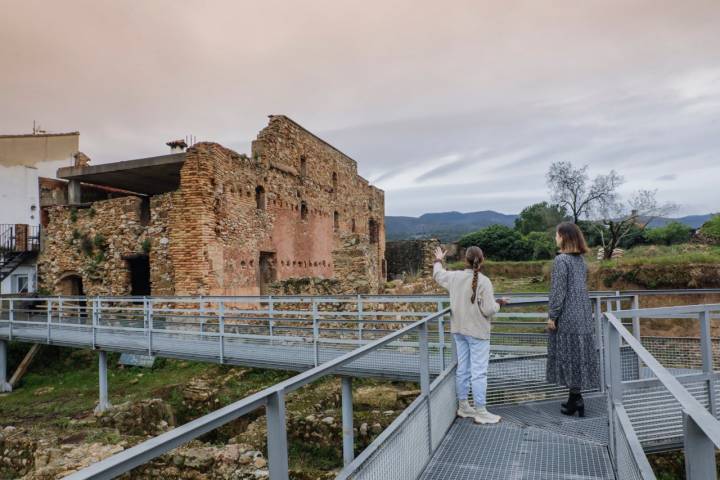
(177, 146)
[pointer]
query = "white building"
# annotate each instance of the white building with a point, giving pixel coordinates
(23, 160)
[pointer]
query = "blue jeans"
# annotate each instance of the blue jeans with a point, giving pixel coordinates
(473, 357)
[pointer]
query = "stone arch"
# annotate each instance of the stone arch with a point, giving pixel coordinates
(70, 284)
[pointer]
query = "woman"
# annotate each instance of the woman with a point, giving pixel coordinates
(473, 305)
(572, 356)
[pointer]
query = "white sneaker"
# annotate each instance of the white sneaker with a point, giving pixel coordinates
(482, 416)
(465, 410)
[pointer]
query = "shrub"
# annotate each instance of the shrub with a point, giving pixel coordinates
(86, 245)
(73, 214)
(100, 241)
(540, 217)
(672, 233)
(499, 242)
(146, 246)
(711, 228)
(541, 245)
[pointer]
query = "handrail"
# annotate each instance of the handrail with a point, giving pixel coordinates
(709, 424)
(139, 454)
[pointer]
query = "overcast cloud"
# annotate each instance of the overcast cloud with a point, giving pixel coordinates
(446, 105)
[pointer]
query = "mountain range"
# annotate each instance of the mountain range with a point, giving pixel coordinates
(449, 226)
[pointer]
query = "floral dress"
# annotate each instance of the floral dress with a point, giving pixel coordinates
(572, 358)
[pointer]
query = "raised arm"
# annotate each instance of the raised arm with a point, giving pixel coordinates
(558, 288)
(440, 275)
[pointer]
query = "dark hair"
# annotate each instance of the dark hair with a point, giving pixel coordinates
(572, 239)
(474, 258)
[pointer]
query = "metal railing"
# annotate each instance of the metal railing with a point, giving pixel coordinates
(645, 396)
(19, 238)
(273, 400)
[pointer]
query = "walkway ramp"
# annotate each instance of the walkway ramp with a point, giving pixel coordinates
(533, 441)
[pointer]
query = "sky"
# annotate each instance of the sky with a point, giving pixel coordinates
(455, 105)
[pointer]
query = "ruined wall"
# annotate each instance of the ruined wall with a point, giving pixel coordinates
(410, 257)
(295, 209)
(305, 186)
(91, 243)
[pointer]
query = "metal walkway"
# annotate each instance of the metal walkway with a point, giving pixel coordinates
(657, 393)
(534, 441)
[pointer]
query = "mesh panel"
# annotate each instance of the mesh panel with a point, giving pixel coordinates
(442, 407)
(404, 454)
(627, 467)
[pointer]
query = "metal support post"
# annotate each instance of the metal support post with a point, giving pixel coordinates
(360, 317)
(699, 451)
(49, 320)
(94, 320)
(104, 403)
(347, 421)
(4, 385)
(221, 319)
(636, 319)
(618, 304)
(277, 437)
(707, 358)
(316, 334)
(150, 328)
(441, 337)
(614, 384)
(425, 377)
(202, 316)
(11, 316)
(271, 315)
(601, 340)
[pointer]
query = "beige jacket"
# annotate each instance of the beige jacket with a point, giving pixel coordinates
(472, 319)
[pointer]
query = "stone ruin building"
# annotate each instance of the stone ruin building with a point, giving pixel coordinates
(206, 220)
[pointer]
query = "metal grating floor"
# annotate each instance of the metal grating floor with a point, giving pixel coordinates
(533, 442)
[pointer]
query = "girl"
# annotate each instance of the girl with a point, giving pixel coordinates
(572, 356)
(473, 305)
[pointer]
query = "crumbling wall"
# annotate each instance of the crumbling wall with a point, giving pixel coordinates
(311, 197)
(92, 243)
(410, 257)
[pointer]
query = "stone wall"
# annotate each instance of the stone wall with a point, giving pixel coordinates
(296, 208)
(92, 244)
(410, 257)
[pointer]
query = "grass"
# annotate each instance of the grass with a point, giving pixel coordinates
(667, 254)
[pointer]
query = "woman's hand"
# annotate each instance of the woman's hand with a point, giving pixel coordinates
(439, 254)
(503, 301)
(551, 324)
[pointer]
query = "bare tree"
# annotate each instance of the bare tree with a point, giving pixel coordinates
(570, 187)
(618, 220)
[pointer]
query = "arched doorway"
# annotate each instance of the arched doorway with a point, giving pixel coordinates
(71, 285)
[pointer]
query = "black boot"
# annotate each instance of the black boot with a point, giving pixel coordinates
(574, 404)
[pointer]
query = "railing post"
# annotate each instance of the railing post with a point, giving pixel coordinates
(4, 385)
(347, 421)
(60, 310)
(202, 315)
(425, 377)
(49, 319)
(614, 384)
(150, 327)
(636, 319)
(221, 320)
(104, 403)
(277, 437)
(11, 316)
(707, 358)
(360, 317)
(699, 451)
(441, 337)
(316, 334)
(94, 320)
(271, 314)
(601, 340)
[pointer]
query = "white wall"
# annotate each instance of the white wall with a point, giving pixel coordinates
(27, 269)
(19, 195)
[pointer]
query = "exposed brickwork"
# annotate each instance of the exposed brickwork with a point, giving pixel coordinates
(410, 257)
(295, 208)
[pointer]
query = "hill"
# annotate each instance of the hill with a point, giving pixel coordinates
(449, 226)
(446, 226)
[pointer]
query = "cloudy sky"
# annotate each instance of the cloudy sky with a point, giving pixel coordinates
(456, 105)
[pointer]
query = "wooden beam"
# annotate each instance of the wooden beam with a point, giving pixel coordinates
(24, 365)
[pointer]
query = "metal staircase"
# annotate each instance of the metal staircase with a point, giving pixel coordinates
(18, 243)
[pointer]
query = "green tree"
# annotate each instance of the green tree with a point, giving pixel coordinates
(499, 242)
(541, 245)
(540, 217)
(672, 233)
(711, 229)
